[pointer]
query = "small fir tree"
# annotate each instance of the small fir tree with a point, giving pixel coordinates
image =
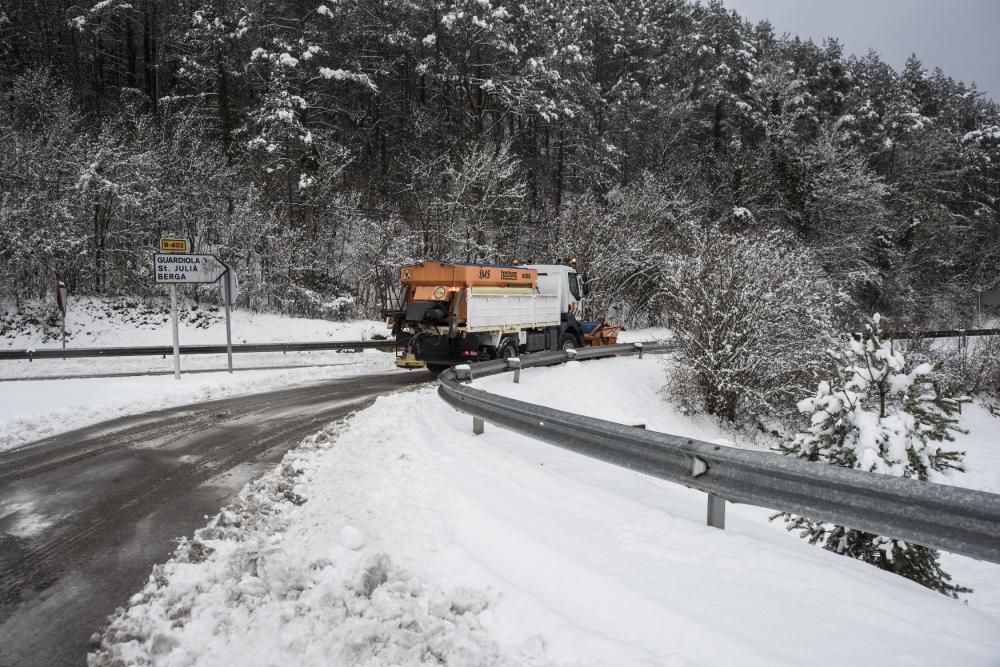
(879, 416)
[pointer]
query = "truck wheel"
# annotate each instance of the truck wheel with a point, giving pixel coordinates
(568, 341)
(507, 349)
(437, 369)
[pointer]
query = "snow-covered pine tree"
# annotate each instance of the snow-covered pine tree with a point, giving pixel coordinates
(879, 416)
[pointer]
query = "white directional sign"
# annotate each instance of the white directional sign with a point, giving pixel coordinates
(176, 268)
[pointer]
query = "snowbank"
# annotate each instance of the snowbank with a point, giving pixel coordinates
(399, 538)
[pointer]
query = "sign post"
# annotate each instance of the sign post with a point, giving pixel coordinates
(229, 289)
(62, 300)
(229, 329)
(179, 266)
(175, 333)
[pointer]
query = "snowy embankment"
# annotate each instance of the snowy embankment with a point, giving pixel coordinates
(31, 409)
(399, 538)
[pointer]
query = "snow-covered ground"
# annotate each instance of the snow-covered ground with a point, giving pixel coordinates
(95, 322)
(35, 409)
(31, 409)
(643, 335)
(399, 538)
(193, 365)
(129, 323)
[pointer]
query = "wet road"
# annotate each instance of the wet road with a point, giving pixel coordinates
(88, 513)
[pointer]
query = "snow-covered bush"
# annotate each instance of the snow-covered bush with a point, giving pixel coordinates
(751, 316)
(883, 415)
(309, 303)
(969, 366)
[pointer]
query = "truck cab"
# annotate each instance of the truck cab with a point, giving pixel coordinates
(564, 282)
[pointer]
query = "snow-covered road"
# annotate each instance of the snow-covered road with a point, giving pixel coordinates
(402, 539)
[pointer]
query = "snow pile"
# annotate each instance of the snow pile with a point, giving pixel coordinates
(400, 538)
(243, 591)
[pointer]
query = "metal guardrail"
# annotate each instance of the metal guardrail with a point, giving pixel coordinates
(942, 333)
(950, 518)
(166, 350)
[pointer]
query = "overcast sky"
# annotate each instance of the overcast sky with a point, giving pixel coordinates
(962, 37)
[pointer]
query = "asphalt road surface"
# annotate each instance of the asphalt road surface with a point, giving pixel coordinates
(96, 508)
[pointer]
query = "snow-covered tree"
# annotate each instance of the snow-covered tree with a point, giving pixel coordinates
(468, 203)
(750, 316)
(879, 415)
(620, 244)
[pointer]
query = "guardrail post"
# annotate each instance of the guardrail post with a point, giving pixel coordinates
(515, 364)
(638, 346)
(570, 353)
(463, 373)
(478, 425)
(716, 511)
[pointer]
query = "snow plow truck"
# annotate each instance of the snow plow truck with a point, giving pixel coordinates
(457, 313)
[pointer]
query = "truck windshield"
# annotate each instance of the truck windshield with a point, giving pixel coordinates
(574, 286)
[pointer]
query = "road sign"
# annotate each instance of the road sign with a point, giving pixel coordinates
(175, 268)
(175, 245)
(181, 269)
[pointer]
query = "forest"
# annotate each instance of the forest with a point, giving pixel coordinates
(317, 145)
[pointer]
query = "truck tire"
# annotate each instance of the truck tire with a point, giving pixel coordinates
(437, 369)
(507, 349)
(568, 341)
